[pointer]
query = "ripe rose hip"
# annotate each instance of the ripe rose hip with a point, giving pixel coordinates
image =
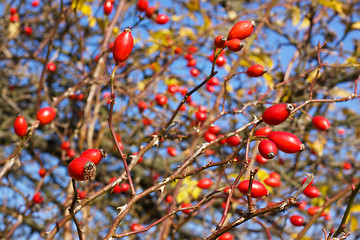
(185, 205)
(42, 172)
(313, 210)
(321, 123)
(194, 72)
(205, 183)
(260, 159)
(258, 189)
(65, 145)
(263, 132)
(51, 67)
(226, 236)
(82, 194)
(192, 49)
(28, 30)
(267, 149)
(220, 61)
(124, 187)
(142, 5)
(46, 115)
(200, 116)
(256, 71)
(108, 6)
(209, 137)
(210, 88)
(220, 41)
(297, 220)
(233, 140)
(173, 88)
(169, 198)
(272, 182)
(136, 227)
(277, 114)
(241, 30)
(214, 81)
(150, 11)
(35, 3)
(20, 126)
(235, 45)
(274, 175)
(191, 63)
(71, 153)
(161, 19)
(38, 198)
(95, 155)
(311, 192)
(286, 142)
(142, 106)
(123, 46)
(161, 100)
(214, 129)
(13, 10)
(188, 56)
(81, 169)
(347, 165)
(304, 180)
(172, 151)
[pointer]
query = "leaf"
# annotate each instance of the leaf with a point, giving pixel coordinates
(354, 224)
(171, 81)
(176, 18)
(305, 23)
(318, 145)
(311, 76)
(295, 15)
(153, 48)
(86, 9)
(13, 30)
(92, 21)
(77, 4)
(339, 92)
(355, 208)
(193, 5)
(333, 4)
(187, 32)
(356, 25)
(269, 81)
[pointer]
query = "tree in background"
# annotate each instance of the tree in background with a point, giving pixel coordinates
(179, 119)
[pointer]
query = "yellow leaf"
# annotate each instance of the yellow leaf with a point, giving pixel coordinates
(305, 23)
(227, 67)
(229, 88)
(324, 190)
(182, 196)
(140, 85)
(77, 4)
(13, 30)
(355, 208)
(171, 81)
(339, 92)
(259, 58)
(312, 75)
(86, 9)
(354, 224)
(295, 15)
(333, 4)
(186, 32)
(356, 25)
(176, 18)
(116, 30)
(92, 21)
(262, 174)
(153, 48)
(269, 81)
(317, 201)
(195, 192)
(318, 145)
(193, 5)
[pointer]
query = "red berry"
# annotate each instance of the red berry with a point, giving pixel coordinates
(255, 71)
(235, 45)
(286, 142)
(13, 11)
(71, 153)
(347, 165)
(108, 6)
(42, 172)
(220, 41)
(142, 106)
(304, 180)
(14, 18)
(124, 187)
(65, 145)
(192, 49)
(209, 137)
(140, 160)
(172, 151)
(313, 210)
(95, 155)
(200, 116)
(142, 5)
(320, 123)
(297, 220)
(123, 46)
(116, 189)
(82, 194)
(311, 192)
(210, 88)
(178, 50)
(258, 189)
(169, 198)
(81, 169)
(214, 129)
(233, 140)
(46, 115)
(191, 63)
(226, 236)
(185, 205)
(272, 182)
(161, 99)
(302, 205)
(205, 183)
(214, 81)
(241, 30)
(173, 88)
(275, 175)
(28, 30)
(35, 3)
(263, 132)
(136, 227)
(277, 114)
(38, 198)
(161, 19)
(267, 149)
(220, 61)
(188, 56)
(194, 72)
(20, 126)
(51, 67)
(260, 159)
(150, 11)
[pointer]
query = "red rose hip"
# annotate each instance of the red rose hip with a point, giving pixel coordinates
(81, 169)
(258, 189)
(241, 30)
(277, 114)
(267, 149)
(256, 71)
(286, 142)
(297, 220)
(320, 123)
(20, 126)
(46, 115)
(95, 155)
(123, 46)
(205, 183)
